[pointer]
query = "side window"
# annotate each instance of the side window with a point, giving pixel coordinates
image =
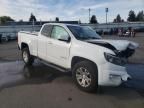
(46, 31)
(59, 33)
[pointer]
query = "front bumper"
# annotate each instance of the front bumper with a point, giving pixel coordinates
(112, 75)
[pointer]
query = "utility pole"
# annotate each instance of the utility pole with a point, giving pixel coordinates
(106, 10)
(33, 23)
(89, 14)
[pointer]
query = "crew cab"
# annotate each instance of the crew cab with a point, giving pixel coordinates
(92, 60)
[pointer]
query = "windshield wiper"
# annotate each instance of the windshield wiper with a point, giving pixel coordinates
(85, 38)
(93, 38)
(82, 38)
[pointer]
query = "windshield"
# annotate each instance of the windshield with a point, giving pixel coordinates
(83, 32)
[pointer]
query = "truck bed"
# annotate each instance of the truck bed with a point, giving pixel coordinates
(30, 32)
(30, 38)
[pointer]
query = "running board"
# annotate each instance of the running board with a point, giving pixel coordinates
(54, 66)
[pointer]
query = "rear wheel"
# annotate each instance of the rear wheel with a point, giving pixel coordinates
(27, 58)
(86, 76)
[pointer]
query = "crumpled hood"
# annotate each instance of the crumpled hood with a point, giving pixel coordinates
(120, 45)
(122, 48)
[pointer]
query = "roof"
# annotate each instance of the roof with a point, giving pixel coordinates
(61, 24)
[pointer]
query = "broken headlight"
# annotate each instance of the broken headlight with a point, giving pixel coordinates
(114, 59)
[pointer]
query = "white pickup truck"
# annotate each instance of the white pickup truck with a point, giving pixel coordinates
(93, 61)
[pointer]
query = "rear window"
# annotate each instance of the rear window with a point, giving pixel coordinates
(46, 30)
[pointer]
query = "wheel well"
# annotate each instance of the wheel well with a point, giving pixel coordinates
(24, 45)
(77, 59)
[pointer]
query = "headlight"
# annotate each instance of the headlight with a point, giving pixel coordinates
(114, 59)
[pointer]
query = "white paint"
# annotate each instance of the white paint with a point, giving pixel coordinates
(61, 53)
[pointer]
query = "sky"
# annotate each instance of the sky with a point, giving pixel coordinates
(46, 10)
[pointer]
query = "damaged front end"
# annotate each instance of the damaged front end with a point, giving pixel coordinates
(122, 48)
(128, 52)
(115, 65)
(125, 53)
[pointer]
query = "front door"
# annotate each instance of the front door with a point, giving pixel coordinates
(58, 47)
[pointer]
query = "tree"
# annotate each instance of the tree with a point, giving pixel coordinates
(122, 20)
(32, 18)
(114, 20)
(118, 19)
(4, 19)
(57, 19)
(93, 20)
(131, 16)
(21, 20)
(140, 16)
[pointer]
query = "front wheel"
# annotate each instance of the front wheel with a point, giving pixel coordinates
(85, 75)
(27, 58)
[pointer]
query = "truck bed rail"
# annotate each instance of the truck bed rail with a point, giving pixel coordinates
(28, 32)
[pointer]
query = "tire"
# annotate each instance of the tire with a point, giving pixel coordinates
(27, 58)
(85, 75)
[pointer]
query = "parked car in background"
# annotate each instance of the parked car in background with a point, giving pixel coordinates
(127, 33)
(8, 36)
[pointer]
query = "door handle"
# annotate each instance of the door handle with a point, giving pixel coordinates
(49, 42)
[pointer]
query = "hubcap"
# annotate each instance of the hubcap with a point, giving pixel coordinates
(25, 56)
(83, 77)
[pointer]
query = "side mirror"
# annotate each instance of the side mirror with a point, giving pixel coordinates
(65, 39)
(69, 39)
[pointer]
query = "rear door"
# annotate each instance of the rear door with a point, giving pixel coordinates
(43, 38)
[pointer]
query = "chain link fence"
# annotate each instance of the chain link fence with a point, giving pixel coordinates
(8, 33)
